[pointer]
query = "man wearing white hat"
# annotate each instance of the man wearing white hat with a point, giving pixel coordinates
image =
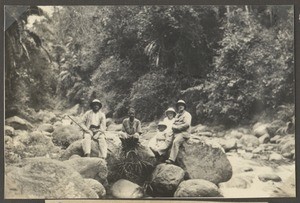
(181, 130)
(94, 122)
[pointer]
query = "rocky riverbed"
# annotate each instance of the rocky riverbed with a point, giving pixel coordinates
(43, 157)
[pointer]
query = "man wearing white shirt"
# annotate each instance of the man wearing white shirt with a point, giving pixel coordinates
(94, 122)
(181, 130)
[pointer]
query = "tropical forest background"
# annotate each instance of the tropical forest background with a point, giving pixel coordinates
(231, 64)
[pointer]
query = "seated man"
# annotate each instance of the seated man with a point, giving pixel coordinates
(131, 127)
(160, 143)
(94, 124)
(181, 130)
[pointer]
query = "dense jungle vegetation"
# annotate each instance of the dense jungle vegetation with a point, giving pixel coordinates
(229, 63)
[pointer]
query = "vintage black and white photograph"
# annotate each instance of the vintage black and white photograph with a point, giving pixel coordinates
(149, 102)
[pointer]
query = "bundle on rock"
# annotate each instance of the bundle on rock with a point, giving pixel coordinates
(132, 162)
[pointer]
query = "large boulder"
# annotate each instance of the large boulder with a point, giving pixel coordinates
(197, 188)
(126, 189)
(46, 127)
(18, 123)
(166, 178)
(66, 134)
(249, 141)
(42, 178)
(90, 167)
(205, 161)
(96, 186)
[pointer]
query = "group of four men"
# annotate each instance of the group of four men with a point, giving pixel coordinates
(173, 131)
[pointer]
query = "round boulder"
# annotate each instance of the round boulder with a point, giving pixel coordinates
(197, 188)
(126, 189)
(166, 178)
(205, 161)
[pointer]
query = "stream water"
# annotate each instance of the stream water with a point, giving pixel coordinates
(257, 188)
